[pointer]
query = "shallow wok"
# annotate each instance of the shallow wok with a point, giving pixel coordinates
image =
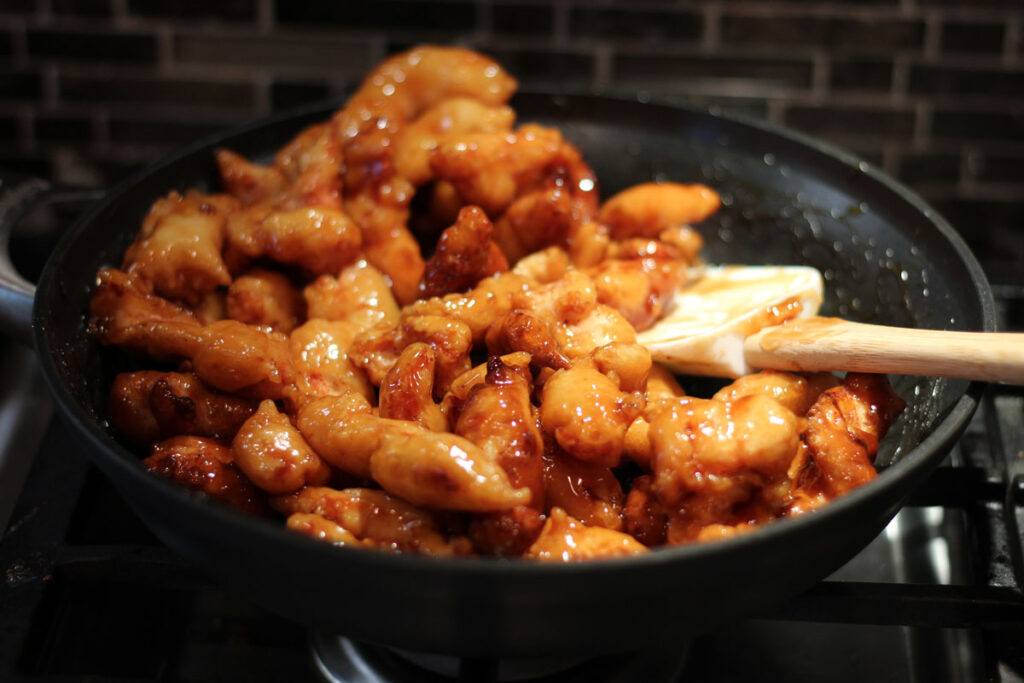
(887, 258)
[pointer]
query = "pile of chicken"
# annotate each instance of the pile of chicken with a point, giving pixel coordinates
(488, 400)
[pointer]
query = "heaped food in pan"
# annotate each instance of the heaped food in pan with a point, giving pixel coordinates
(307, 362)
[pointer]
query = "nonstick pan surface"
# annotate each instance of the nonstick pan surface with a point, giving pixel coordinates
(887, 258)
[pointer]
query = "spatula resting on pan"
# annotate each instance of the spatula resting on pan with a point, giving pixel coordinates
(725, 324)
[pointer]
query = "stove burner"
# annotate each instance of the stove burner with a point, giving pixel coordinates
(341, 660)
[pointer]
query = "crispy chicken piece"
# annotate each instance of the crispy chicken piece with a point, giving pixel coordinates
(266, 298)
(661, 389)
(588, 244)
(442, 471)
(505, 534)
(845, 425)
(497, 416)
(273, 454)
(235, 357)
(343, 430)
(305, 172)
(248, 182)
(148, 406)
(565, 539)
(322, 529)
(407, 392)
(578, 323)
(461, 386)
(315, 238)
(520, 332)
(207, 466)
(796, 392)
(377, 350)
(124, 312)
(718, 463)
(587, 492)
(212, 307)
(492, 169)
(645, 518)
(587, 413)
(381, 210)
(321, 358)
(479, 308)
(228, 355)
(545, 266)
(454, 116)
(178, 249)
(374, 519)
(416, 80)
(465, 255)
(541, 218)
(641, 290)
(720, 448)
(359, 295)
(312, 165)
(647, 209)
(628, 365)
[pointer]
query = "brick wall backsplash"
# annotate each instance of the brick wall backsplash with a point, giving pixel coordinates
(930, 90)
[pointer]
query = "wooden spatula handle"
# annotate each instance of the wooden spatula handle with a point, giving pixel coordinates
(812, 344)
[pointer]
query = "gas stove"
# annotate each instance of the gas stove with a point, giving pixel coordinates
(87, 593)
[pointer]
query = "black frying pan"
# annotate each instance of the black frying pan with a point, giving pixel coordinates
(887, 258)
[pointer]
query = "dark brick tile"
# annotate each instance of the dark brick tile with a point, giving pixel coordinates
(996, 126)
(316, 51)
(850, 73)
(999, 246)
(1008, 4)
(292, 94)
(17, 7)
(921, 167)
(844, 2)
(6, 45)
(229, 10)
(944, 80)
(94, 46)
(676, 26)
(999, 168)
(113, 171)
(38, 165)
(523, 19)
(8, 128)
(973, 37)
(159, 133)
(62, 128)
(848, 33)
(449, 17)
(547, 67)
(852, 124)
(660, 71)
(155, 91)
(83, 8)
(20, 85)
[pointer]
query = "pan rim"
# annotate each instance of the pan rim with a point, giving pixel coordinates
(917, 460)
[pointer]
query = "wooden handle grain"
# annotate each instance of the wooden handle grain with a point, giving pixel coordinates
(812, 344)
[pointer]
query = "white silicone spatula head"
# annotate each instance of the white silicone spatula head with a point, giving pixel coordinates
(704, 331)
(726, 324)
